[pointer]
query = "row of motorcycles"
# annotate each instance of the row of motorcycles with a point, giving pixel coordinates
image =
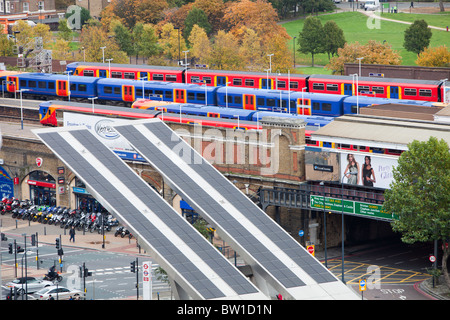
(62, 216)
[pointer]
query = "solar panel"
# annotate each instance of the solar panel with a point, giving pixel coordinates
(270, 250)
(188, 258)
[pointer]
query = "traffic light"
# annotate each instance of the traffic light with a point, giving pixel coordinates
(33, 240)
(19, 249)
(58, 245)
(86, 273)
(10, 248)
(3, 237)
(60, 252)
(133, 266)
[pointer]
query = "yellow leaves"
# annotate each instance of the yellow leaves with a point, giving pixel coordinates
(434, 57)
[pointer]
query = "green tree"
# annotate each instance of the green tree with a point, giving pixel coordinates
(311, 39)
(195, 17)
(420, 194)
(6, 45)
(123, 38)
(64, 32)
(147, 44)
(334, 38)
(417, 37)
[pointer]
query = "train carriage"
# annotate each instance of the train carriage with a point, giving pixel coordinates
(241, 79)
(43, 85)
(408, 89)
(126, 71)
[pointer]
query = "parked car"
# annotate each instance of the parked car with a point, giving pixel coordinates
(28, 284)
(58, 293)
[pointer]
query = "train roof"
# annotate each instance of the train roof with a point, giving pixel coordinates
(375, 79)
(123, 66)
(53, 76)
(155, 84)
(375, 100)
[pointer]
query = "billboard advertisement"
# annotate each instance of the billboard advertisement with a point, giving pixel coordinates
(101, 127)
(367, 170)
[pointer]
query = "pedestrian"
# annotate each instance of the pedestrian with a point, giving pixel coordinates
(50, 297)
(72, 234)
(412, 4)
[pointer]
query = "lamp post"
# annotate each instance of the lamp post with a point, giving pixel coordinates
(237, 116)
(93, 103)
(21, 107)
(103, 53)
(68, 83)
(143, 78)
(342, 222)
(443, 90)
(357, 90)
(270, 61)
(109, 66)
(293, 40)
(179, 46)
(226, 94)
(324, 224)
(359, 59)
(185, 65)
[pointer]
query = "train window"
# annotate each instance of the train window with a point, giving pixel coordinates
(425, 92)
(249, 82)
(410, 92)
(51, 85)
(171, 77)
(354, 109)
(116, 74)
(129, 75)
(88, 73)
(326, 144)
(200, 96)
(238, 99)
(148, 92)
(107, 90)
(82, 87)
(194, 79)
(379, 90)
(332, 87)
(281, 84)
(260, 102)
(318, 86)
(363, 88)
(326, 106)
(345, 146)
(32, 84)
(73, 87)
(23, 83)
(292, 104)
(293, 85)
(116, 90)
(316, 106)
(42, 85)
(376, 150)
(168, 95)
(229, 99)
(159, 77)
(138, 92)
(237, 82)
(270, 102)
(207, 80)
(191, 96)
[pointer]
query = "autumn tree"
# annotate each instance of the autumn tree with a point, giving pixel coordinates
(224, 52)
(334, 38)
(311, 38)
(61, 50)
(417, 36)
(6, 45)
(374, 52)
(434, 57)
(200, 45)
(420, 195)
(250, 50)
(196, 17)
(145, 11)
(64, 32)
(169, 42)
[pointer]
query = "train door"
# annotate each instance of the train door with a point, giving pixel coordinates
(61, 88)
(221, 81)
(266, 83)
(12, 84)
(249, 102)
(180, 95)
(393, 91)
(128, 93)
(304, 107)
(348, 90)
(103, 74)
(143, 76)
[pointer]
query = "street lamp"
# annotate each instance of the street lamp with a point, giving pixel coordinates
(324, 223)
(179, 48)
(21, 106)
(185, 65)
(237, 116)
(103, 53)
(293, 40)
(68, 83)
(226, 94)
(270, 61)
(443, 90)
(109, 67)
(359, 65)
(93, 103)
(143, 78)
(357, 90)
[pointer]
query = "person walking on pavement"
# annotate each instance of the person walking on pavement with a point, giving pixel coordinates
(72, 234)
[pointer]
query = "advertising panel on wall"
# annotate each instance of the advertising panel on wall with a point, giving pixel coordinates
(324, 165)
(101, 127)
(6, 184)
(367, 170)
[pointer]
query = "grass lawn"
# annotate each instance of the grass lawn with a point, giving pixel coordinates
(358, 27)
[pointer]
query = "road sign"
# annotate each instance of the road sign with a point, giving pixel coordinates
(310, 249)
(362, 285)
(147, 280)
(432, 259)
(301, 233)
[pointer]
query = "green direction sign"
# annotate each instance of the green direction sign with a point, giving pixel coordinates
(352, 207)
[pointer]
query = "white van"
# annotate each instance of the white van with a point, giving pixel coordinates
(372, 5)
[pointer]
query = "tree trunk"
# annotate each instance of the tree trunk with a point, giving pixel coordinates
(441, 6)
(312, 56)
(444, 265)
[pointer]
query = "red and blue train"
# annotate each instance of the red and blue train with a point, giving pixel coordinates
(42, 86)
(403, 89)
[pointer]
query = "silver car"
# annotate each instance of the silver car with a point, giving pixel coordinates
(58, 293)
(28, 284)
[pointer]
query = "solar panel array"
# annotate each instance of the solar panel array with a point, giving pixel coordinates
(273, 253)
(188, 258)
